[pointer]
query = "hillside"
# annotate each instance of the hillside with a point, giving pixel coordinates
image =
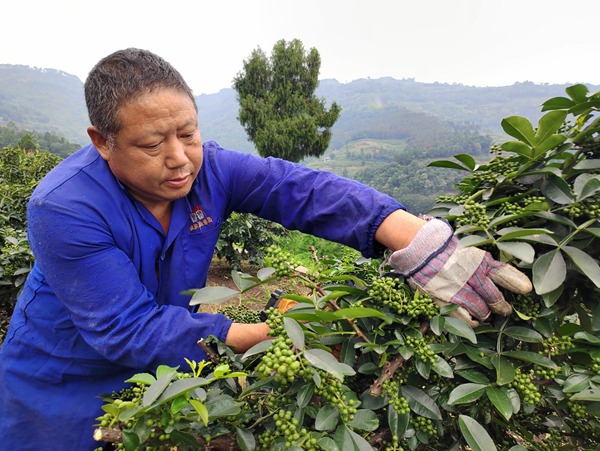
(386, 134)
(43, 100)
(384, 108)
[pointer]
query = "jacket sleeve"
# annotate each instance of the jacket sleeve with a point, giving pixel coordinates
(319, 203)
(100, 288)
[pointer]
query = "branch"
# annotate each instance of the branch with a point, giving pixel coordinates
(391, 366)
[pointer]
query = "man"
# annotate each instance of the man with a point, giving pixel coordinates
(123, 226)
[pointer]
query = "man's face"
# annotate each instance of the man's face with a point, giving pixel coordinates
(158, 151)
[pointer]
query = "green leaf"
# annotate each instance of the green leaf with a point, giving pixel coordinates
(443, 368)
(524, 334)
(576, 383)
(142, 378)
(517, 147)
(222, 406)
(558, 190)
(557, 103)
(587, 337)
(510, 233)
(467, 160)
(258, 348)
(180, 387)
(587, 165)
(523, 251)
(265, 273)
(398, 423)
(461, 328)
(154, 391)
(295, 332)
(328, 444)
(420, 403)
(591, 394)
(473, 240)
(548, 124)
(305, 394)
(550, 142)
(501, 401)
(245, 439)
(447, 164)
(327, 418)
(549, 272)
(466, 393)
(348, 440)
(586, 185)
(360, 312)
(131, 441)
(326, 361)
(473, 376)
(520, 128)
(475, 435)
(200, 410)
(365, 420)
(505, 371)
(241, 280)
(213, 295)
(532, 357)
(585, 263)
(577, 92)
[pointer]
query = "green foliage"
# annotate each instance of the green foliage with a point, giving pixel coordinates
(278, 107)
(20, 172)
(12, 136)
(244, 237)
(362, 362)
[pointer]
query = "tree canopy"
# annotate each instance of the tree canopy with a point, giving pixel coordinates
(278, 107)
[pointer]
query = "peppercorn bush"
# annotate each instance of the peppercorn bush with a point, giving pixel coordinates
(362, 362)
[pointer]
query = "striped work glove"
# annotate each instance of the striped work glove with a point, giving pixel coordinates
(434, 265)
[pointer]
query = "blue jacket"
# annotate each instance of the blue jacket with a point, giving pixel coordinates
(104, 301)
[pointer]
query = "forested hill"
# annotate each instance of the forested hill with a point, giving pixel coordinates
(43, 100)
(385, 108)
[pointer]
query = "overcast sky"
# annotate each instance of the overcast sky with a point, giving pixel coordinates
(471, 42)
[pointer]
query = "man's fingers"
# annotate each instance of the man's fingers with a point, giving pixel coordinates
(509, 277)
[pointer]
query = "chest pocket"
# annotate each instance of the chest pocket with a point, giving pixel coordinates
(198, 246)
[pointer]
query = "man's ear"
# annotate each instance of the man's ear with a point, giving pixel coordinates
(100, 142)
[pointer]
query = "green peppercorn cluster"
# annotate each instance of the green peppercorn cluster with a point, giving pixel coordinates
(288, 426)
(421, 305)
(555, 345)
(280, 360)
(595, 367)
(546, 373)
(240, 314)
(390, 292)
(585, 209)
(474, 214)
(282, 261)
(527, 304)
(386, 291)
(525, 387)
(391, 389)
(421, 348)
(495, 169)
(424, 425)
(332, 391)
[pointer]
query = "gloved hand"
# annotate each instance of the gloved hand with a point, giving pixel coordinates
(467, 277)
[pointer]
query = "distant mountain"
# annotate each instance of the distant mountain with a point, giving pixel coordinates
(384, 108)
(43, 100)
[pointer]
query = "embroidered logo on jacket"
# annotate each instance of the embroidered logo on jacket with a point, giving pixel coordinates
(199, 218)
